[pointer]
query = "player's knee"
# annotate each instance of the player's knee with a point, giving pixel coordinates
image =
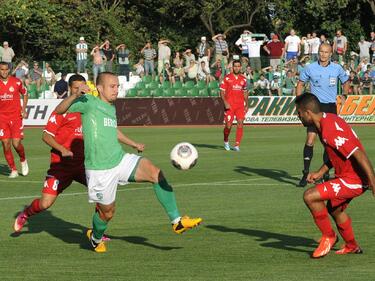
(6, 145)
(308, 196)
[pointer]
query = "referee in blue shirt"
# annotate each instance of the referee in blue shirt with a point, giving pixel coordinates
(323, 77)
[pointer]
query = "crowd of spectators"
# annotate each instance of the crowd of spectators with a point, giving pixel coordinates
(271, 64)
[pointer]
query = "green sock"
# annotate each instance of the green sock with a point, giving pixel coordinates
(98, 226)
(165, 195)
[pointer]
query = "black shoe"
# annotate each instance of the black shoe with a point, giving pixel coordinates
(303, 181)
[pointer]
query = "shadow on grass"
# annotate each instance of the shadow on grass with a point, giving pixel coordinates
(73, 233)
(4, 170)
(271, 239)
(210, 146)
(274, 174)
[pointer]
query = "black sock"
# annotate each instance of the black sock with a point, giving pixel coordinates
(308, 152)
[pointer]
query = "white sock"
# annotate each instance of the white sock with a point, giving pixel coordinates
(176, 220)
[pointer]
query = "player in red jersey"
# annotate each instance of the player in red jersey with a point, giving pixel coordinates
(353, 175)
(11, 115)
(233, 91)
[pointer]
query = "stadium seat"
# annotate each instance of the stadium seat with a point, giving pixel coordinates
(147, 79)
(193, 92)
(181, 92)
(31, 90)
(140, 85)
(201, 84)
(152, 85)
(189, 84)
(166, 85)
(213, 85)
(177, 85)
(157, 92)
(144, 92)
(131, 93)
(203, 92)
(168, 92)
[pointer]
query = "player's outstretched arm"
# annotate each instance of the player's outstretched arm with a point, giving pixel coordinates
(365, 164)
(314, 176)
(66, 103)
(50, 140)
(125, 140)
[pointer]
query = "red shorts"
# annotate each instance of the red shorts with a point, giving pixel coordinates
(234, 111)
(11, 129)
(340, 191)
(59, 177)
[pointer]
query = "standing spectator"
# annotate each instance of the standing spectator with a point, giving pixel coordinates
(221, 48)
(253, 48)
(204, 53)
(109, 55)
(241, 43)
(35, 75)
(123, 55)
(7, 55)
(21, 71)
(292, 45)
(164, 54)
(188, 56)
(149, 55)
(372, 41)
(275, 50)
(364, 49)
(305, 45)
(340, 45)
(61, 87)
(314, 43)
(324, 77)
(81, 50)
(11, 115)
(98, 62)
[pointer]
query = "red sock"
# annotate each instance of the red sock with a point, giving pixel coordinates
(10, 159)
(347, 234)
(226, 134)
(239, 133)
(33, 209)
(323, 223)
(21, 152)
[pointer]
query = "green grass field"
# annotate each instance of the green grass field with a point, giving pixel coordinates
(255, 227)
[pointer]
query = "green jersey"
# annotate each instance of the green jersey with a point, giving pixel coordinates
(99, 123)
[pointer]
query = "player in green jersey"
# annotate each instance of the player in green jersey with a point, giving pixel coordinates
(108, 165)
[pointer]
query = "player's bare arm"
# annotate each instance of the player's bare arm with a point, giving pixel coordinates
(66, 103)
(25, 99)
(50, 140)
(226, 104)
(125, 140)
(366, 167)
(300, 86)
(314, 176)
(246, 96)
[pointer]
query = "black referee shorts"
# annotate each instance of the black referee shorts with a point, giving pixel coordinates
(324, 107)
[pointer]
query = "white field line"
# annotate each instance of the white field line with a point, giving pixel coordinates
(217, 183)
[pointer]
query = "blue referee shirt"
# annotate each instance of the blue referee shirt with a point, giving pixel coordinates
(323, 80)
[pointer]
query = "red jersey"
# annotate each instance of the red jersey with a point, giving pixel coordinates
(276, 49)
(67, 131)
(234, 88)
(341, 142)
(10, 95)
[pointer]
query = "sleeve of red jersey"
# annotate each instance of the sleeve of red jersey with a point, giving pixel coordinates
(53, 124)
(223, 85)
(342, 139)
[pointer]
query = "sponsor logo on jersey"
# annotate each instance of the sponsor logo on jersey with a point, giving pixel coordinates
(11, 89)
(6, 97)
(78, 130)
(339, 141)
(108, 122)
(52, 119)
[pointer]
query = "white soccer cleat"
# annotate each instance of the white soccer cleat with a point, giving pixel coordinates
(226, 146)
(236, 148)
(13, 174)
(25, 168)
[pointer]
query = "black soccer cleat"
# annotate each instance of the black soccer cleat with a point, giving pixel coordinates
(303, 181)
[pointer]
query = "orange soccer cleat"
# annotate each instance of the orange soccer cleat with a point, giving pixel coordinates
(347, 250)
(325, 245)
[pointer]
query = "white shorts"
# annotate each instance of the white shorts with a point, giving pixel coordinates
(102, 184)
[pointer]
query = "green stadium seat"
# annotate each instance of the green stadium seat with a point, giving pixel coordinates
(213, 92)
(177, 85)
(189, 84)
(203, 92)
(213, 85)
(157, 92)
(166, 85)
(31, 90)
(193, 92)
(152, 85)
(140, 85)
(201, 84)
(131, 93)
(168, 92)
(144, 92)
(147, 79)
(181, 92)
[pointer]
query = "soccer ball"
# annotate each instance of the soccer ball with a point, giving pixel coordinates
(184, 156)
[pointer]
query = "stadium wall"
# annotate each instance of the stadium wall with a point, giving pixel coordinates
(207, 111)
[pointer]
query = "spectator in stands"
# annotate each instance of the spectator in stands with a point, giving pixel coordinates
(81, 59)
(109, 54)
(366, 84)
(179, 72)
(61, 87)
(166, 74)
(149, 55)
(340, 46)
(35, 75)
(217, 70)
(292, 45)
(192, 71)
(275, 87)
(364, 49)
(244, 64)
(178, 61)
(21, 71)
(242, 41)
(323, 39)
(253, 48)
(275, 51)
(49, 75)
(123, 55)
(305, 45)
(262, 86)
(363, 66)
(250, 79)
(98, 62)
(188, 56)
(353, 83)
(139, 68)
(314, 43)
(164, 54)
(204, 73)
(289, 84)
(221, 48)
(292, 64)
(204, 53)
(7, 54)
(372, 41)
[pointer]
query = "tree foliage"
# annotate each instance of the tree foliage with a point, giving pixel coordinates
(49, 29)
